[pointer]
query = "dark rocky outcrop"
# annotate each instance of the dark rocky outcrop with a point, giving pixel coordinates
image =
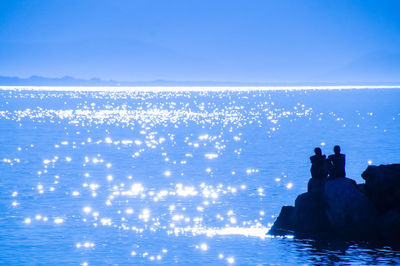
(308, 214)
(382, 185)
(349, 211)
(340, 208)
(284, 224)
(389, 225)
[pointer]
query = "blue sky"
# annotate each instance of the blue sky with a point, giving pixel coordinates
(257, 41)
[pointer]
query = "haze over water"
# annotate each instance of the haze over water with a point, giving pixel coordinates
(149, 177)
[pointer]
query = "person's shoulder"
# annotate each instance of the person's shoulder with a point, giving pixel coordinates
(331, 156)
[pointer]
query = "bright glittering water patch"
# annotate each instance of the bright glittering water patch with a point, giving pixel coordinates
(163, 112)
(129, 177)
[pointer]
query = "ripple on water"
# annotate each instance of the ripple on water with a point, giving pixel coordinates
(167, 176)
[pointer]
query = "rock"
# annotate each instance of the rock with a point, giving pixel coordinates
(340, 208)
(362, 188)
(349, 211)
(383, 186)
(306, 218)
(389, 226)
(309, 215)
(316, 185)
(284, 224)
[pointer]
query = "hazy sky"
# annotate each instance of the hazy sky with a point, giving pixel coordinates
(218, 40)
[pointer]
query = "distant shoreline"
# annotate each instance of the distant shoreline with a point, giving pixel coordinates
(193, 88)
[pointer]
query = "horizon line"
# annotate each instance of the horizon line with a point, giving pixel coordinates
(195, 88)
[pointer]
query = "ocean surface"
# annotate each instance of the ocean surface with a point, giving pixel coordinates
(158, 177)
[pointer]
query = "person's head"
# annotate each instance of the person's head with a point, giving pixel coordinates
(336, 149)
(317, 151)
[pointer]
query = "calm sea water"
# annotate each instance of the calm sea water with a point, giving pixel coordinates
(179, 177)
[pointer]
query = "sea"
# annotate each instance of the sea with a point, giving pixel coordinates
(180, 176)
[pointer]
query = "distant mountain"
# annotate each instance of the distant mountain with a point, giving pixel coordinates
(44, 81)
(71, 81)
(375, 67)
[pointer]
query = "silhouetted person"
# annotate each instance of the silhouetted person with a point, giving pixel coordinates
(319, 171)
(318, 164)
(337, 163)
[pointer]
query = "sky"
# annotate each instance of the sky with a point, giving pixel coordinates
(204, 40)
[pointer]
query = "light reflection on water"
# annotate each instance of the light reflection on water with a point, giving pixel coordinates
(178, 177)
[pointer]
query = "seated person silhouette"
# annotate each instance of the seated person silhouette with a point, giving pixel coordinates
(337, 163)
(318, 164)
(319, 171)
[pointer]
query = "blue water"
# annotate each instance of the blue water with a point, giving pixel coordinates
(179, 177)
